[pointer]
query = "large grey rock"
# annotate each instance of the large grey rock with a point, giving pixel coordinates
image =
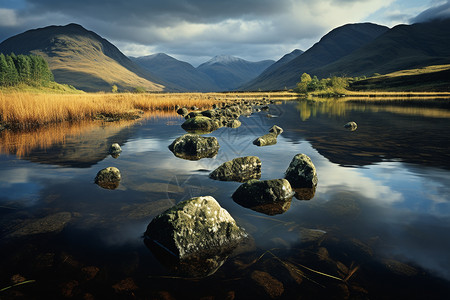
(198, 233)
(199, 124)
(194, 147)
(108, 178)
(239, 169)
(268, 196)
(266, 140)
(301, 172)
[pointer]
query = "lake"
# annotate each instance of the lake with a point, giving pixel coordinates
(377, 226)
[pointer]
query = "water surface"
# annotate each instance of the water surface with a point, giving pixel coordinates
(379, 218)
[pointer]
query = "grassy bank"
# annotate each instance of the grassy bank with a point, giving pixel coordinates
(21, 110)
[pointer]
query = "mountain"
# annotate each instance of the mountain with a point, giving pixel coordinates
(82, 58)
(178, 72)
(229, 72)
(403, 47)
(334, 45)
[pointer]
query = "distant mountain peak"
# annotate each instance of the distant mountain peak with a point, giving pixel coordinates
(224, 59)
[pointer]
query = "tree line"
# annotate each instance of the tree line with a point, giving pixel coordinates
(24, 69)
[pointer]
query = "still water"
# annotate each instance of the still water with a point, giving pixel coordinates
(377, 227)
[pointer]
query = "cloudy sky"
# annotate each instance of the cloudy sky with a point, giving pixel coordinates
(196, 30)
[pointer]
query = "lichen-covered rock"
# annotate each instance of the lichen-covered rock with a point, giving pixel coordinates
(266, 140)
(209, 113)
(108, 178)
(268, 196)
(115, 150)
(194, 147)
(239, 169)
(351, 126)
(301, 172)
(194, 230)
(276, 129)
(199, 124)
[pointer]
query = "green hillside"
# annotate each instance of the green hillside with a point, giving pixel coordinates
(81, 58)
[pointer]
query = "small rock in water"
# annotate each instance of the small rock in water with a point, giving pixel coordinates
(351, 126)
(239, 169)
(115, 150)
(199, 124)
(276, 129)
(234, 124)
(270, 197)
(182, 111)
(301, 172)
(108, 178)
(194, 147)
(266, 140)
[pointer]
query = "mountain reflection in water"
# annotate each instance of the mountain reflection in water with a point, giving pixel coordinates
(377, 223)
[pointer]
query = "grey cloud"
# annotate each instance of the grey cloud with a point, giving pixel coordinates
(138, 12)
(438, 12)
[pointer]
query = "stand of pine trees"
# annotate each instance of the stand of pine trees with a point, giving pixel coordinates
(24, 69)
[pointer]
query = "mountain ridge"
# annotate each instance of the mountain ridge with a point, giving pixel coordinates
(82, 58)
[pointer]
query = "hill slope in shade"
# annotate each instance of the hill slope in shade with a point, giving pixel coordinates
(229, 72)
(403, 47)
(178, 72)
(336, 44)
(82, 58)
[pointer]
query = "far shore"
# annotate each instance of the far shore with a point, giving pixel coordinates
(27, 110)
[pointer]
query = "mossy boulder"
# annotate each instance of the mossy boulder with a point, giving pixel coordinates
(276, 129)
(239, 169)
(196, 236)
(194, 147)
(301, 172)
(199, 124)
(108, 178)
(268, 196)
(182, 111)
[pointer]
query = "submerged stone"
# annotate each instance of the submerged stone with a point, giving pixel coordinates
(197, 235)
(239, 169)
(194, 147)
(301, 172)
(50, 224)
(268, 196)
(108, 178)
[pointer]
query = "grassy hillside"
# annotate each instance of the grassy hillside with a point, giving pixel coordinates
(402, 47)
(82, 58)
(333, 46)
(427, 79)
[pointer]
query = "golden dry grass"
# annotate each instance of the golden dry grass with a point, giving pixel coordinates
(28, 110)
